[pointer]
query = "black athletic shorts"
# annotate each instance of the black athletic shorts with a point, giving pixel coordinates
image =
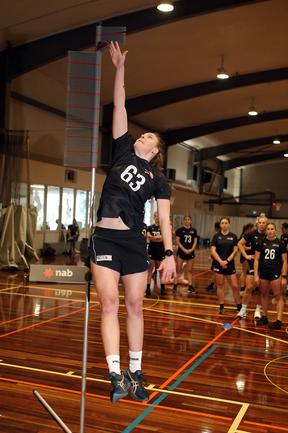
(250, 270)
(184, 256)
(156, 251)
(269, 274)
(230, 270)
(242, 259)
(123, 251)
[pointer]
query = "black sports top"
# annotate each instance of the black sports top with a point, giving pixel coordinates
(224, 244)
(186, 236)
(252, 239)
(284, 239)
(130, 183)
(271, 254)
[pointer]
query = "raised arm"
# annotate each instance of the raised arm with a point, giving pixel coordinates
(120, 122)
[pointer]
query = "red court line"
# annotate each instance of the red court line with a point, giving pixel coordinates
(266, 425)
(42, 311)
(174, 375)
(43, 321)
(104, 397)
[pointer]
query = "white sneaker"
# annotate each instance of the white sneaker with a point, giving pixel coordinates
(257, 313)
(242, 313)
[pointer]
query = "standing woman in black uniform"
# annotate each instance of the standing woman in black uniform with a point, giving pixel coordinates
(270, 268)
(247, 228)
(223, 250)
(156, 253)
(118, 247)
(251, 239)
(186, 240)
(284, 238)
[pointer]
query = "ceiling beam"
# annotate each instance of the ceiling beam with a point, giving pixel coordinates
(37, 104)
(141, 104)
(34, 54)
(224, 149)
(239, 162)
(177, 135)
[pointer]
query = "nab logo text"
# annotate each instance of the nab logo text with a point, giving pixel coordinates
(50, 273)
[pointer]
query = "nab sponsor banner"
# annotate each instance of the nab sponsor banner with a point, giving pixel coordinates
(58, 274)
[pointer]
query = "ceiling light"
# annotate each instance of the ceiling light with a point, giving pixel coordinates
(285, 155)
(165, 7)
(252, 110)
(222, 73)
(276, 141)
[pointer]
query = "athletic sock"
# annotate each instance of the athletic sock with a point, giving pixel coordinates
(135, 361)
(113, 362)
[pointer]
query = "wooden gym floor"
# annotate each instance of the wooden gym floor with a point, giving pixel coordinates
(206, 373)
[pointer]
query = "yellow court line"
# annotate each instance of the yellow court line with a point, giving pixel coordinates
(262, 335)
(150, 387)
(56, 373)
(238, 418)
(202, 397)
(268, 378)
(10, 288)
(54, 288)
(62, 298)
(198, 304)
(186, 316)
(242, 431)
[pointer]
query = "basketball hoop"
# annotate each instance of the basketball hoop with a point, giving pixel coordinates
(278, 206)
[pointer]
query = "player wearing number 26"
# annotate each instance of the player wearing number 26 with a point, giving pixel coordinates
(270, 268)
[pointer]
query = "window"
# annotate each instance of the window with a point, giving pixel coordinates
(67, 206)
(37, 200)
(53, 201)
(81, 208)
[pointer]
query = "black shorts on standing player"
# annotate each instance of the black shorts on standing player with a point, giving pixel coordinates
(156, 253)
(186, 240)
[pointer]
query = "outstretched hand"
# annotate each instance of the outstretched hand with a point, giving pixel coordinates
(167, 269)
(118, 58)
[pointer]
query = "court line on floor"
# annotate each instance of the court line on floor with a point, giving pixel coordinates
(104, 397)
(33, 314)
(271, 426)
(54, 388)
(238, 418)
(268, 378)
(169, 301)
(42, 322)
(94, 379)
(191, 360)
(156, 403)
(218, 323)
(259, 333)
(185, 316)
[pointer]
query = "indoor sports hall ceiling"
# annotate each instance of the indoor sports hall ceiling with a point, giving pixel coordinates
(171, 83)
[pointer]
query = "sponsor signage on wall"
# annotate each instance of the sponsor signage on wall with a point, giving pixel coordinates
(58, 274)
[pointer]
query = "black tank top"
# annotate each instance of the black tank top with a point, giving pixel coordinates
(130, 183)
